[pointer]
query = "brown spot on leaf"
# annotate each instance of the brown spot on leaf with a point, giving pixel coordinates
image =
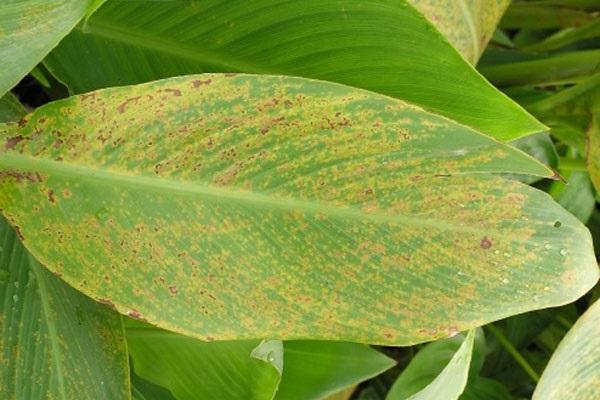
(11, 142)
(107, 302)
(19, 234)
(198, 82)
(51, 197)
(485, 243)
(173, 290)
(121, 108)
(176, 92)
(21, 176)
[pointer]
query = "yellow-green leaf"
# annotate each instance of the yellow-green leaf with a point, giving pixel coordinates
(467, 24)
(573, 372)
(242, 206)
(29, 29)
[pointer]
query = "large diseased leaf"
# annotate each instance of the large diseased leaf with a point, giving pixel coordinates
(379, 45)
(573, 372)
(29, 29)
(259, 206)
(414, 383)
(192, 369)
(467, 24)
(55, 342)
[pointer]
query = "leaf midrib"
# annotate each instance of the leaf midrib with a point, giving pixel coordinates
(219, 194)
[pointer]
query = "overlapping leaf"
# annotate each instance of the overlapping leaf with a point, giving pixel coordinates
(573, 372)
(387, 47)
(415, 382)
(29, 29)
(467, 24)
(257, 206)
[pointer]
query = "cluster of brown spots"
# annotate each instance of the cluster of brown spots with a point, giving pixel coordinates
(198, 82)
(12, 142)
(485, 243)
(51, 197)
(21, 176)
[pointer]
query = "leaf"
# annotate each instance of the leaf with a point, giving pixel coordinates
(29, 29)
(540, 147)
(367, 44)
(572, 372)
(593, 147)
(315, 370)
(480, 388)
(467, 24)
(10, 108)
(576, 196)
(450, 382)
(192, 369)
(55, 342)
(259, 206)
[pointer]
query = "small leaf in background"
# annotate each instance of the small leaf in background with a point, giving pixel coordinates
(573, 372)
(314, 369)
(428, 378)
(468, 25)
(366, 201)
(29, 29)
(593, 149)
(479, 388)
(191, 369)
(10, 108)
(576, 195)
(366, 44)
(540, 147)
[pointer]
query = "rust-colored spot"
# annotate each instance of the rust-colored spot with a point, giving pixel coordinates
(415, 178)
(210, 338)
(135, 314)
(264, 130)
(19, 234)
(176, 92)
(369, 191)
(121, 108)
(51, 197)
(173, 289)
(22, 122)
(87, 96)
(485, 243)
(11, 142)
(198, 82)
(107, 302)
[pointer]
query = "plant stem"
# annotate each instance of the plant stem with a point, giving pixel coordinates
(510, 349)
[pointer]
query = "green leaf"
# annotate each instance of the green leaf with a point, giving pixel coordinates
(540, 147)
(568, 67)
(467, 24)
(541, 15)
(576, 195)
(479, 388)
(259, 206)
(593, 148)
(10, 108)
(315, 370)
(573, 372)
(568, 36)
(29, 29)
(192, 369)
(416, 382)
(55, 343)
(367, 44)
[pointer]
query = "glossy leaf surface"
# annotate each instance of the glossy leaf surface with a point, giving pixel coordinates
(467, 24)
(192, 369)
(450, 382)
(257, 206)
(315, 369)
(29, 29)
(573, 372)
(383, 46)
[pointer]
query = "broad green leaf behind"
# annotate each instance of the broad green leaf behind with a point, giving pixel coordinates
(379, 45)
